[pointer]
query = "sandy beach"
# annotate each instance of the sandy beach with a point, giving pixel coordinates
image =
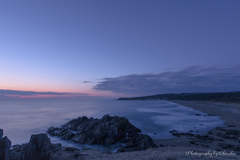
(219, 144)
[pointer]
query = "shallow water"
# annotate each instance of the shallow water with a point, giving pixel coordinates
(21, 118)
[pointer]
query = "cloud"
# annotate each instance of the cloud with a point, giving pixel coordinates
(2, 96)
(191, 79)
(87, 82)
(15, 93)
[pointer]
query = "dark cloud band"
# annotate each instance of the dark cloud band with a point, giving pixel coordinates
(4, 92)
(191, 79)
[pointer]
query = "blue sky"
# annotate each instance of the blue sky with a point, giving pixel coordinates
(55, 46)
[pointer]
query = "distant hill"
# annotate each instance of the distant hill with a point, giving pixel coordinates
(228, 97)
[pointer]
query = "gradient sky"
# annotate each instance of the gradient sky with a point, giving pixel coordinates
(117, 47)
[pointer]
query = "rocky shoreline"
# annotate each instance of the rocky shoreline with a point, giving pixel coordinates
(219, 143)
(106, 131)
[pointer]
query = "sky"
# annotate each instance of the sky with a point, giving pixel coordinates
(117, 48)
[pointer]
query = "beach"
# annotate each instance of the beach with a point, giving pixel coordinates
(180, 148)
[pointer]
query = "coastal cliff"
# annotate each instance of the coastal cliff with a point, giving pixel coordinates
(227, 97)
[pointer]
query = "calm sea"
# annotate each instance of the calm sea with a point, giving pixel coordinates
(21, 118)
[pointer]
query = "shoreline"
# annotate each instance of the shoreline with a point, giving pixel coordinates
(228, 112)
(182, 147)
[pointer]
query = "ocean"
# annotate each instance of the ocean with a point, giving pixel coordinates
(20, 118)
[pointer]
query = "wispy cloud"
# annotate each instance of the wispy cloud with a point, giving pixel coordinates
(87, 82)
(191, 79)
(18, 93)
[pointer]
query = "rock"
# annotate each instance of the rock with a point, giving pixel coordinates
(137, 142)
(38, 148)
(71, 149)
(225, 136)
(221, 129)
(231, 125)
(64, 133)
(225, 145)
(211, 115)
(198, 114)
(205, 145)
(107, 130)
(191, 142)
(5, 145)
(233, 132)
(173, 131)
(210, 132)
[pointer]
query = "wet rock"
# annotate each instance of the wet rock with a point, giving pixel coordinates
(191, 142)
(225, 136)
(210, 132)
(161, 145)
(137, 142)
(225, 145)
(205, 145)
(71, 149)
(212, 115)
(233, 132)
(221, 129)
(107, 130)
(5, 145)
(64, 133)
(231, 126)
(198, 114)
(173, 131)
(38, 148)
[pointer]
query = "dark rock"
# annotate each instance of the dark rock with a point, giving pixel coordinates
(211, 115)
(64, 133)
(161, 145)
(5, 145)
(137, 142)
(191, 142)
(71, 149)
(190, 131)
(225, 145)
(221, 129)
(38, 148)
(210, 132)
(205, 145)
(173, 131)
(231, 126)
(198, 114)
(237, 148)
(225, 136)
(107, 130)
(233, 132)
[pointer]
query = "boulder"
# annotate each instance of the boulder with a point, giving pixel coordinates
(137, 142)
(107, 130)
(38, 148)
(5, 145)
